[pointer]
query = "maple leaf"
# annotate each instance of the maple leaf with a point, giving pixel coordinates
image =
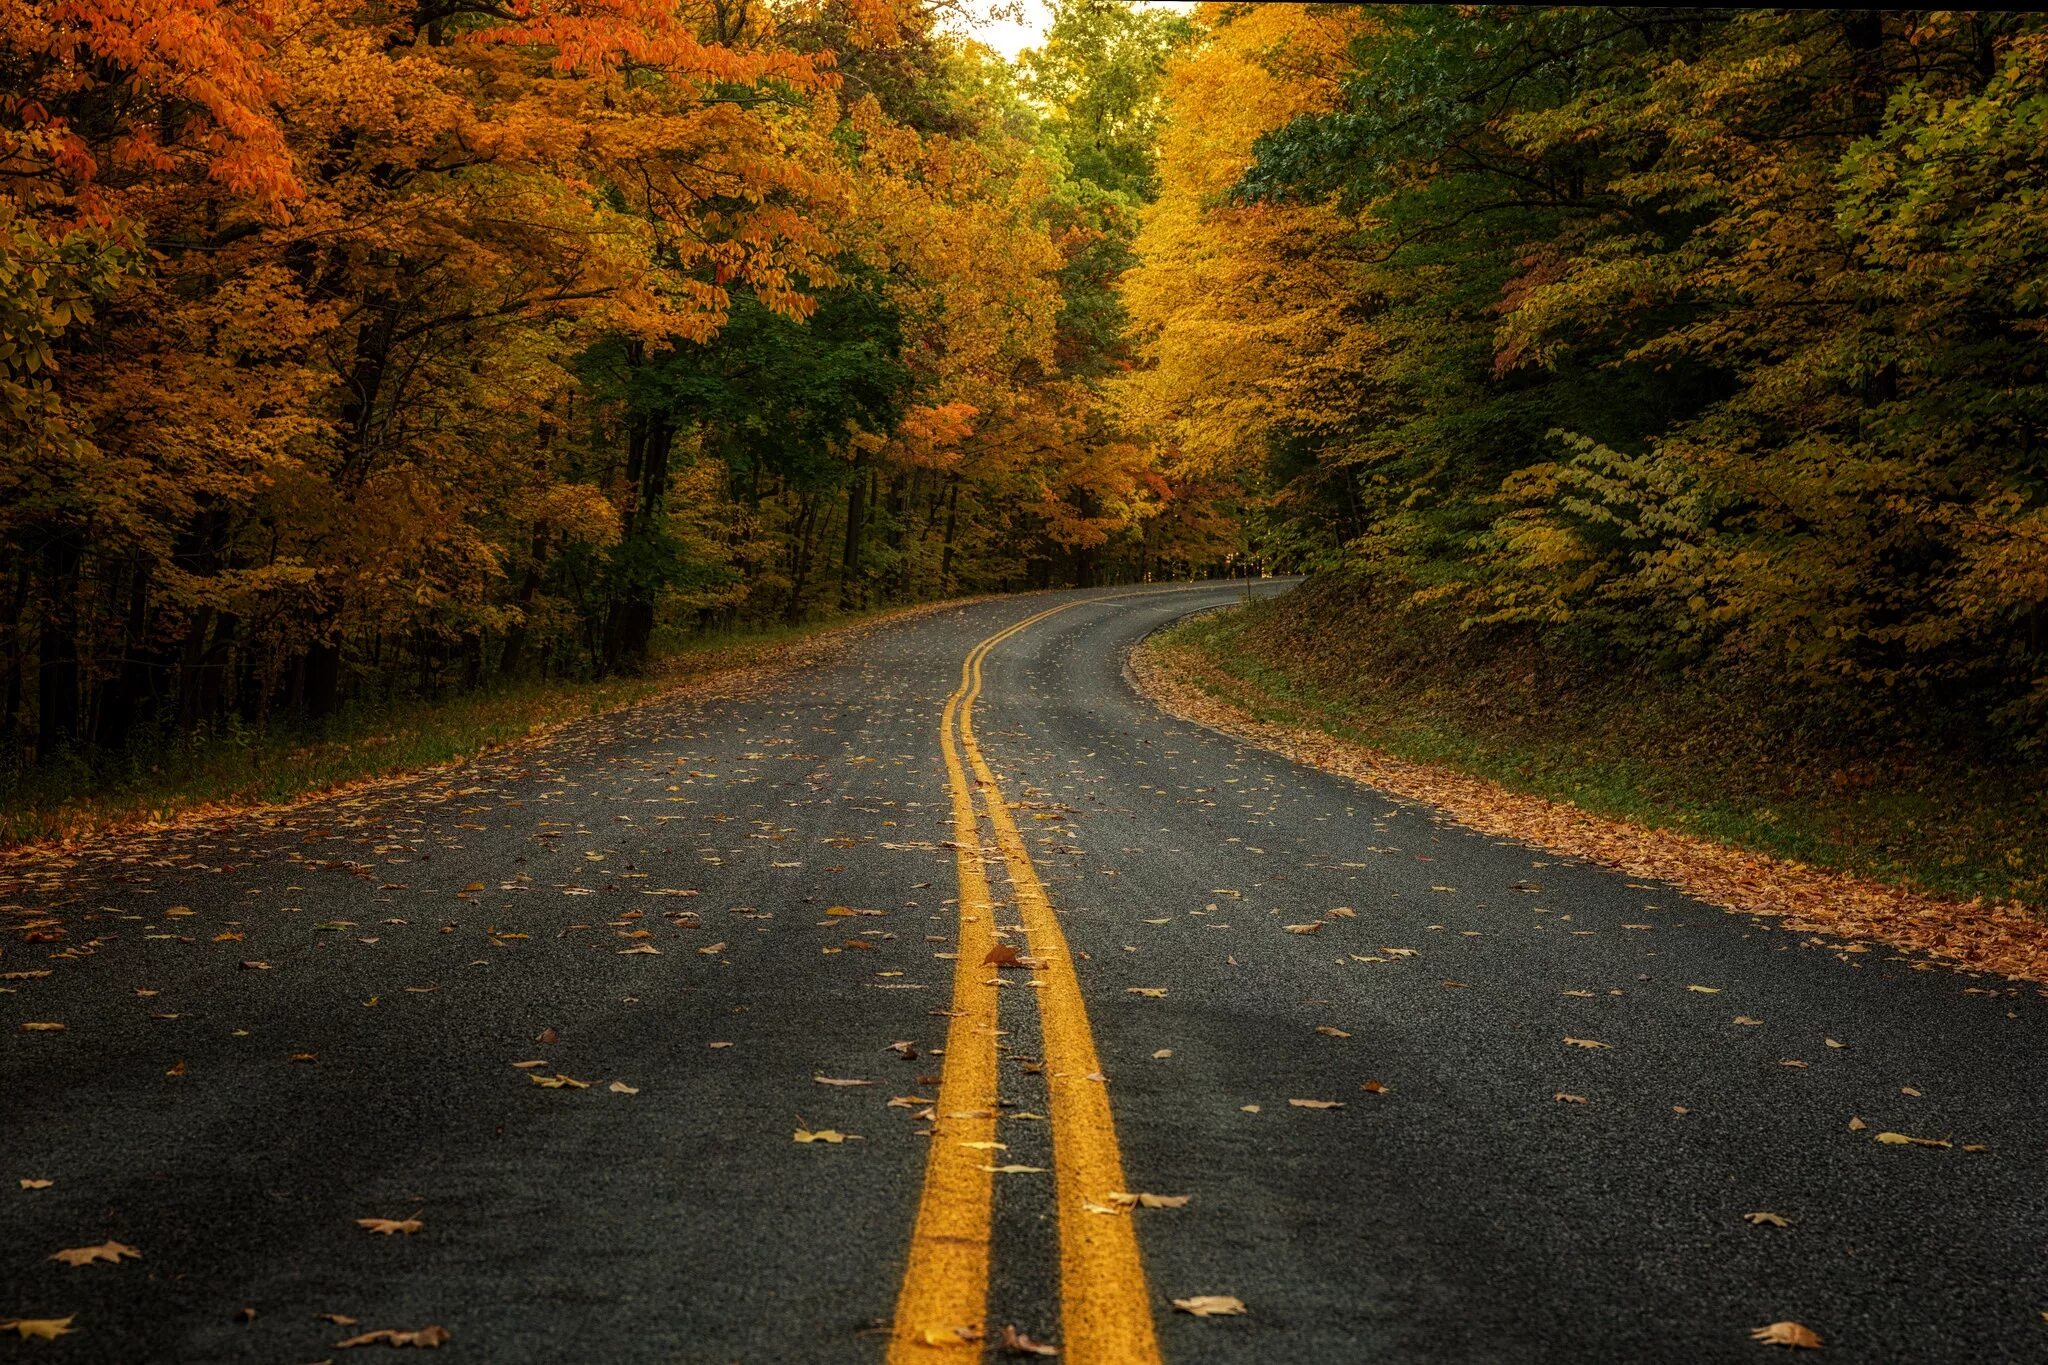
(1002, 955)
(429, 1337)
(110, 1252)
(1791, 1334)
(38, 1329)
(386, 1226)
(1211, 1305)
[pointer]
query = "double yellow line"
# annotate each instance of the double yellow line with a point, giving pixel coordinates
(1105, 1309)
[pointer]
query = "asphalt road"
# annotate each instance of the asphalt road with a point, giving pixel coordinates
(420, 941)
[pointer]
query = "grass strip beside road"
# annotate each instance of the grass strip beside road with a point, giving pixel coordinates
(226, 775)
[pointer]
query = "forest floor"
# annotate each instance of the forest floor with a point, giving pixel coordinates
(210, 776)
(1923, 850)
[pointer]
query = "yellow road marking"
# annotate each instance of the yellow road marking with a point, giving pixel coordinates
(945, 1284)
(1105, 1307)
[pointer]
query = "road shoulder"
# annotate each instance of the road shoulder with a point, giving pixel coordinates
(1853, 914)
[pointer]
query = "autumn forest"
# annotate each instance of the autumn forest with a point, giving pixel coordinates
(355, 351)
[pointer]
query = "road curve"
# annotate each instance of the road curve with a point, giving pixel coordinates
(277, 1026)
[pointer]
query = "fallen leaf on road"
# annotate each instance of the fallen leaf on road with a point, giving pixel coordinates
(1247, 1109)
(38, 1329)
(1586, 1043)
(1903, 1140)
(1016, 1170)
(834, 1080)
(1832, 1043)
(1374, 1088)
(1329, 1032)
(1775, 1220)
(621, 1088)
(718, 1045)
(1162, 1054)
(251, 965)
(1563, 1098)
(42, 1028)
(528, 1066)
(548, 1036)
(1705, 990)
(1151, 1201)
(1857, 1125)
(30, 1183)
(1016, 1343)
(1308, 928)
(1746, 1020)
(1317, 1104)
(1149, 992)
(176, 1070)
(712, 950)
(110, 1252)
(1211, 1305)
(949, 1336)
(384, 1227)
(430, 1337)
(558, 1081)
(830, 1135)
(647, 948)
(339, 1319)
(1787, 1334)
(1002, 955)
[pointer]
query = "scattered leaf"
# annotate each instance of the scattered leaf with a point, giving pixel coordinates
(1564, 1098)
(429, 1337)
(1705, 990)
(1330, 1032)
(38, 1329)
(111, 1252)
(1211, 1305)
(621, 1088)
(1904, 1140)
(1308, 928)
(1149, 992)
(31, 1183)
(828, 1135)
(384, 1227)
(1317, 1104)
(1016, 1343)
(1588, 1043)
(1790, 1334)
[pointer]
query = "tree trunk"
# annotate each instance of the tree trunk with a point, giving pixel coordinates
(57, 648)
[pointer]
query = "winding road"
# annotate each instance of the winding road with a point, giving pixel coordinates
(825, 1021)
